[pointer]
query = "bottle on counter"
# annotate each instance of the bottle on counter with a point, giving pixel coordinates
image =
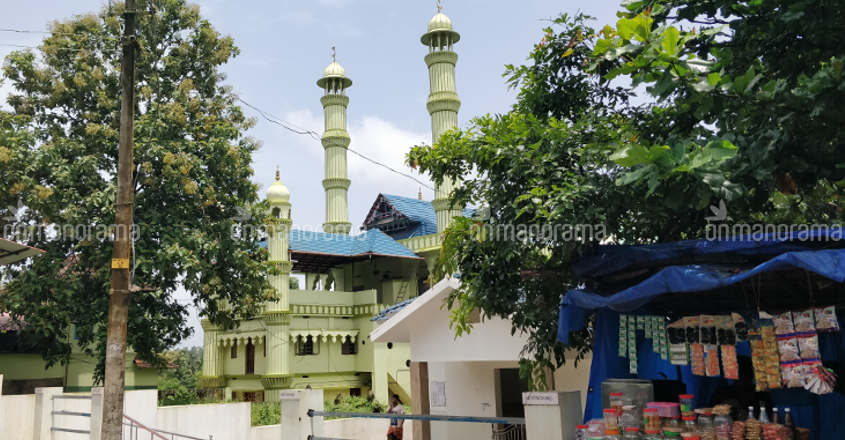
(750, 413)
(764, 416)
(775, 415)
(788, 423)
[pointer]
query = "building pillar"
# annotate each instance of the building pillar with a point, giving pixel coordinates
(420, 399)
(43, 420)
(337, 276)
(210, 356)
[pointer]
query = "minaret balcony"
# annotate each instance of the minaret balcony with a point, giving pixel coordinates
(336, 182)
(442, 102)
(334, 99)
(441, 56)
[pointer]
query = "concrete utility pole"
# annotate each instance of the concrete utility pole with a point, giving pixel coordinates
(119, 295)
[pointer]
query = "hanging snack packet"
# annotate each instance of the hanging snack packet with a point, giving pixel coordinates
(730, 367)
(697, 359)
(826, 319)
(808, 345)
(640, 322)
(678, 349)
(804, 321)
(711, 366)
(692, 329)
(740, 327)
(783, 323)
(758, 362)
(788, 348)
(770, 350)
(632, 350)
(623, 335)
(791, 373)
(707, 329)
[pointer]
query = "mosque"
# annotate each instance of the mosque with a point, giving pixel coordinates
(317, 336)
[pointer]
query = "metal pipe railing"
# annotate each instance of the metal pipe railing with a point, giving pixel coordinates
(439, 418)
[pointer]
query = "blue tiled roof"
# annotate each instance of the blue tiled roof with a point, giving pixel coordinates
(370, 242)
(418, 211)
(388, 312)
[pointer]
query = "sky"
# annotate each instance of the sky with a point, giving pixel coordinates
(284, 47)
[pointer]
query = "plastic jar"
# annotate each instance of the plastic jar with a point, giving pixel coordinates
(722, 426)
(632, 433)
(581, 432)
(672, 433)
(690, 426)
(706, 429)
(687, 402)
(651, 419)
(611, 420)
(616, 401)
(629, 417)
(690, 436)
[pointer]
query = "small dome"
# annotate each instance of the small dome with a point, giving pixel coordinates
(278, 193)
(440, 22)
(334, 70)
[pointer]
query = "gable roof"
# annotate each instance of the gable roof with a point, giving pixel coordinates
(419, 213)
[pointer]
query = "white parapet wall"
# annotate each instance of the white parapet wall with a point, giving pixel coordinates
(221, 420)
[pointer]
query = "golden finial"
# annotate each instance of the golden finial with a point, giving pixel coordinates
(277, 172)
(419, 194)
(439, 6)
(334, 54)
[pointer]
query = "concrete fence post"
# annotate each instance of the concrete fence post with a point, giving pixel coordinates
(552, 415)
(96, 412)
(43, 419)
(295, 423)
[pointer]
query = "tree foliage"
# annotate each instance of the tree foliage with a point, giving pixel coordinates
(58, 155)
(638, 128)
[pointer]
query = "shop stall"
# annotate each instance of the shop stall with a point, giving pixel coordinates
(745, 331)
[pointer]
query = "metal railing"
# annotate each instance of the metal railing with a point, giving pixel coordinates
(54, 412)
(137, 429)
(503, 428)
(133, 429)
(509, 432)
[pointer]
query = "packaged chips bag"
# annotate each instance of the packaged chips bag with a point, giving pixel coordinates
(804, 321)
(788, 348)
(808, 345)
(783, 323)
(826, 319)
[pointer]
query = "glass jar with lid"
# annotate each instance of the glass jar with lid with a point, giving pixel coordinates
(652, 434)
(722, 422)
(690, 425)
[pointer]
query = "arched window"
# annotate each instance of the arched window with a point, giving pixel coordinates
(249, 368)
(306, 346)
(348, 346)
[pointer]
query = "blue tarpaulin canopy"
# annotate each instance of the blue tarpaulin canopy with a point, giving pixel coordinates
(683, 277)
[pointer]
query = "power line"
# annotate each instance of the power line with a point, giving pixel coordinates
(314, 135)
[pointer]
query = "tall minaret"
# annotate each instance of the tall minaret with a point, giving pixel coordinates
(443, 102)
(277, 313)
(335, 142)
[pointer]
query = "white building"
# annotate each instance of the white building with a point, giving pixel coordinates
(476, 374)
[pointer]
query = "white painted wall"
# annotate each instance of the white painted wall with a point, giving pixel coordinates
(362, 429)
(17, 415)
(224, 421)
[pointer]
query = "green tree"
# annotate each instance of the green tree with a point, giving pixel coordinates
(58, 159)
(742, 109)
(178, 380)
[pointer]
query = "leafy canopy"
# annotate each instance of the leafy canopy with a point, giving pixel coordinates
(58, 155)
(637, 129)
